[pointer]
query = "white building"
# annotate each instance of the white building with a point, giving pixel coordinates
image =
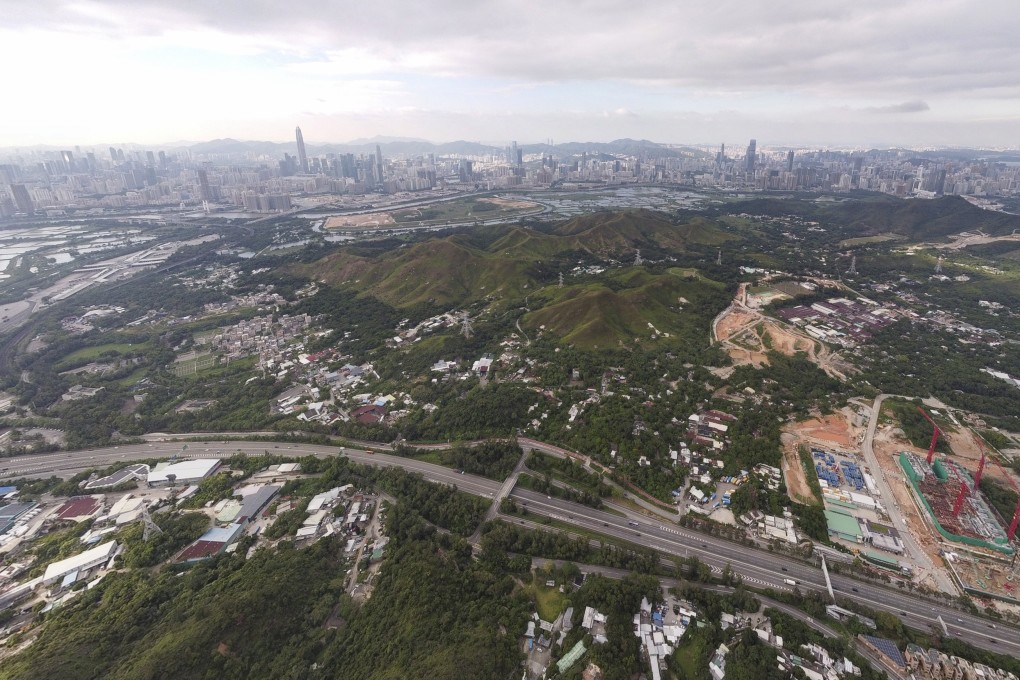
(184, 472)
(81, 562)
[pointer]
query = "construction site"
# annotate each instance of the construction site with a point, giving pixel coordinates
(949, 495)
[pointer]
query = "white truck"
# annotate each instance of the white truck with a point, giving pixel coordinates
(789, 582)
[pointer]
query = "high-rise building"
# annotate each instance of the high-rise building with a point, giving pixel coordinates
(750, 157)
(789, 161)
(302, 156)
(22, 199)
(378, 164)
(203, 184)
(68, 159)
(113, 154)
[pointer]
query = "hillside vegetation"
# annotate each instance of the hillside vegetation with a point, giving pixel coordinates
(505, 262)
(915, 219)
(631, 304)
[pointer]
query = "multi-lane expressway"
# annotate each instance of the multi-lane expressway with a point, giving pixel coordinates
(757, 567)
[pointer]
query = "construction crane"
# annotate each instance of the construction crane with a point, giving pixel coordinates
(1011, 532)
(934, 436)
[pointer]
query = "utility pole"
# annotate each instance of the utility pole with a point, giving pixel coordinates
(637, 258)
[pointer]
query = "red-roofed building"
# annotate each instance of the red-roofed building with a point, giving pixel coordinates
(199, 550)
(369, 414)
(78, 509)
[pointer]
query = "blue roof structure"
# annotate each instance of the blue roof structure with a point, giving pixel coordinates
(887, 647)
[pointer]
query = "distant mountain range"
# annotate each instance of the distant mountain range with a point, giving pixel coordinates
(406, 146)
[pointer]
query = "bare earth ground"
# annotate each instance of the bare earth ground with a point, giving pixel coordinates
(833, 430)
(793, 472)
(786, 342)
(730, 323)
(735, 330)
(359, 221)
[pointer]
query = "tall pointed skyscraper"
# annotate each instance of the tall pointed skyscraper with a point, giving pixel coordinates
(302, 156)
(378, 165)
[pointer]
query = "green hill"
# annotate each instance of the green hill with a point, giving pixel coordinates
(619, 311)
(474, 265)
(613, 233)
(914, 219)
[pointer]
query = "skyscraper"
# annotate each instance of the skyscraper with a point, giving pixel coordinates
(302, 156)
(22, 199)
(205, 191)
(789, 161)
(749, 158)
(378, 164)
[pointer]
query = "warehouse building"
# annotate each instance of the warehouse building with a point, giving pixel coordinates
(184, 472)
(79, 564)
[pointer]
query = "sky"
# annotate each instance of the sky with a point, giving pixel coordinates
(797, 72)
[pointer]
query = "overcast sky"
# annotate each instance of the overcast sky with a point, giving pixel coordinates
(799, 72)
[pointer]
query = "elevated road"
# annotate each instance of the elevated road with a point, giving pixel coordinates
(757, 567)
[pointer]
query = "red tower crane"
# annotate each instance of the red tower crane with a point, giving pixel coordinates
(960, 497)
(1012, 525)
(1016, 513)
(934, 436)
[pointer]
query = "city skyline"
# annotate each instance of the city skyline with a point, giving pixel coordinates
(918, 74)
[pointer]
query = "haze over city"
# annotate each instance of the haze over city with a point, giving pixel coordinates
(920, 73)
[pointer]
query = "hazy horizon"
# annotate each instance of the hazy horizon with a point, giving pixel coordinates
(922, 73)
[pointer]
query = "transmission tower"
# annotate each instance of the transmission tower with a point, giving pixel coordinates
(853, 265)
(938, 265)
(465, 324)
(150, 527)
(637, 258)
(561, 279)
(718, 257)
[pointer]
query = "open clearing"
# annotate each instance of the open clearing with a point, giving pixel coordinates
(380, 219)
(730, 323)
(747, 336)
(512, 204)
(831, 429)
(865, 240)
(793, 472)
(113, 348)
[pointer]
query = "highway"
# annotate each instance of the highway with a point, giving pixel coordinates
(757, 567)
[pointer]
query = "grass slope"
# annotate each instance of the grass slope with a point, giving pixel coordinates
(473, 265)
(617, 312)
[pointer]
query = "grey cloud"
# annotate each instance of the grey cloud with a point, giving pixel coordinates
(914, 48)
(915, 106)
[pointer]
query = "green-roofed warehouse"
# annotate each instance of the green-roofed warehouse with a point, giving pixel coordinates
(843, 525)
